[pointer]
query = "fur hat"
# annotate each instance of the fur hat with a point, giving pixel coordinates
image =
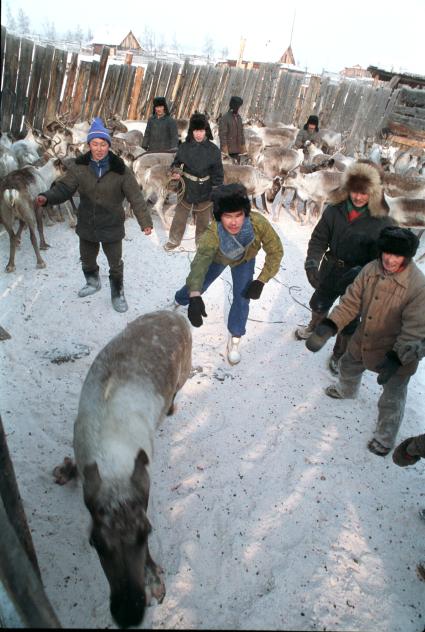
(199, 121)
(160, 101)
(228, 198)
(312, 120)
(366, 177)
(398, 241)
(235, 103)
(98, 130)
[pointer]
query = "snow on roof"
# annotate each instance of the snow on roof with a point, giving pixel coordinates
(109, 35)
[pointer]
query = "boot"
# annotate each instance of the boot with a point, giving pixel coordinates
(92, 284)
(302, 333)
(233, 353)
(117, 294)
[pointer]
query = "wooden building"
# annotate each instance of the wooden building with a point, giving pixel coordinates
(397, 79)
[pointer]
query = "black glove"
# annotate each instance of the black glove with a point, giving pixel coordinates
(388, 367)
(254, 289)
(196, 310)
(324, 330)
(312, 272)
(401, 456)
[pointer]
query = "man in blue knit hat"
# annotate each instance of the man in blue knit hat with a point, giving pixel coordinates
(102, 181)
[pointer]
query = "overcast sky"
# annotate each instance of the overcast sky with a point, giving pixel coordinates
(327, 35)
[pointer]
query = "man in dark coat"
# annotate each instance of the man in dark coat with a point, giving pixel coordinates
(310, 132)
(198, 163)
(230, 131)
(102, 181)
(342, 242)
(388, 297)
(161, 130)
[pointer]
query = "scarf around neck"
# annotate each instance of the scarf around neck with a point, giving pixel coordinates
(100, 167)
(234, 246)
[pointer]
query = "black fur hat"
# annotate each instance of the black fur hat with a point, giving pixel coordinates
(228, 198)
(160, 101)
(199, 121)
(235, 103)
(398, 241)
(312, 120)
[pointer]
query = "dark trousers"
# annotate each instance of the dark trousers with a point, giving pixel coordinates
(113, 251)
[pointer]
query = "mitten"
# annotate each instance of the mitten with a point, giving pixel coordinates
(196, 310)
(324, 330)
(388, 367)
(312, 272)
(400, 455)
(254, 289)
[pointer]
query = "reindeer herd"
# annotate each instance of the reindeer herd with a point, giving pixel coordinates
(298, 180)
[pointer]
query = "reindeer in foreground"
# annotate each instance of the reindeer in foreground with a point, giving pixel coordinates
(129, 388)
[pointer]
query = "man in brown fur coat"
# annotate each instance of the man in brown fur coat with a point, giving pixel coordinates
(388, 296)
(342, 242)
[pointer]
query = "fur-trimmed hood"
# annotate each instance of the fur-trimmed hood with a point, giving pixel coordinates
(115, 162)
(366, 177)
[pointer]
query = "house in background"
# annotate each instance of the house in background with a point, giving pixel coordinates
(114, 39)
(397, 79)
(355, 72)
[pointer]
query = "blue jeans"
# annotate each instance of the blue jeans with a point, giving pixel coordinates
(242, 276)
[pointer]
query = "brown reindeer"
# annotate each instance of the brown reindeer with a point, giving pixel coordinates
(129, 388)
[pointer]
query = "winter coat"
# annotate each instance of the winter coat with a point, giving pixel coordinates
(208, 252)
(304, 135)
(199, 160)
(231, 133)
(392, 314)
(161, 134)
(353, 243)
(100, 212)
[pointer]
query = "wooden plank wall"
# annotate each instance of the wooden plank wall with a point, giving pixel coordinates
(39, 83)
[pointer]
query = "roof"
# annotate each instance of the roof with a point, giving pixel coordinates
(109, 35)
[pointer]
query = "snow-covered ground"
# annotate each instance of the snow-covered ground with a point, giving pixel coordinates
(268, 510)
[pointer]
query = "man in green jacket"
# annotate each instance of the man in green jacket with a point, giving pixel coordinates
(103, 181)
(233, 239)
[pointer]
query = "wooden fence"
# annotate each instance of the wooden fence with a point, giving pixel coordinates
(40, 82)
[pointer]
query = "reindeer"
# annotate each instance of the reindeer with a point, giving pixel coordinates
(407, 211)
(397, 186)
(18, 191)
(129, 388)
(314, 188)
(255, 182)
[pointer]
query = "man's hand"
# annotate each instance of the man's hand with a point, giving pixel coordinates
(254, 289)
(312, 272)
(196, 310)
(324, 330)
(388, 367)
(148, 230)
(175, 176)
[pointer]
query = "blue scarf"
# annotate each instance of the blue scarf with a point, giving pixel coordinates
(100, 167)
(234, 246)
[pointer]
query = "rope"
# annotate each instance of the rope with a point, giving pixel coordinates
(181, 192)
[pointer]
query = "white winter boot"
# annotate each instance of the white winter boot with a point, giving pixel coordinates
(233, 353)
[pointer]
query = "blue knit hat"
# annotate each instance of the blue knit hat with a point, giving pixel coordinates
(98, 130)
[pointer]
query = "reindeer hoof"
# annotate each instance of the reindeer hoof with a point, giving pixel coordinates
(65, 472)
(41, 264)
(44, 246)
(10, 268)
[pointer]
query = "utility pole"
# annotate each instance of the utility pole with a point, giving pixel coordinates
(241, 50)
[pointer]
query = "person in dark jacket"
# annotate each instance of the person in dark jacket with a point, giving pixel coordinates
(230, 131)
(388, 297)
(342, 242)
(409, 452)
(161, 130)
(198, 163)
(102, 181)
(310, 132)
